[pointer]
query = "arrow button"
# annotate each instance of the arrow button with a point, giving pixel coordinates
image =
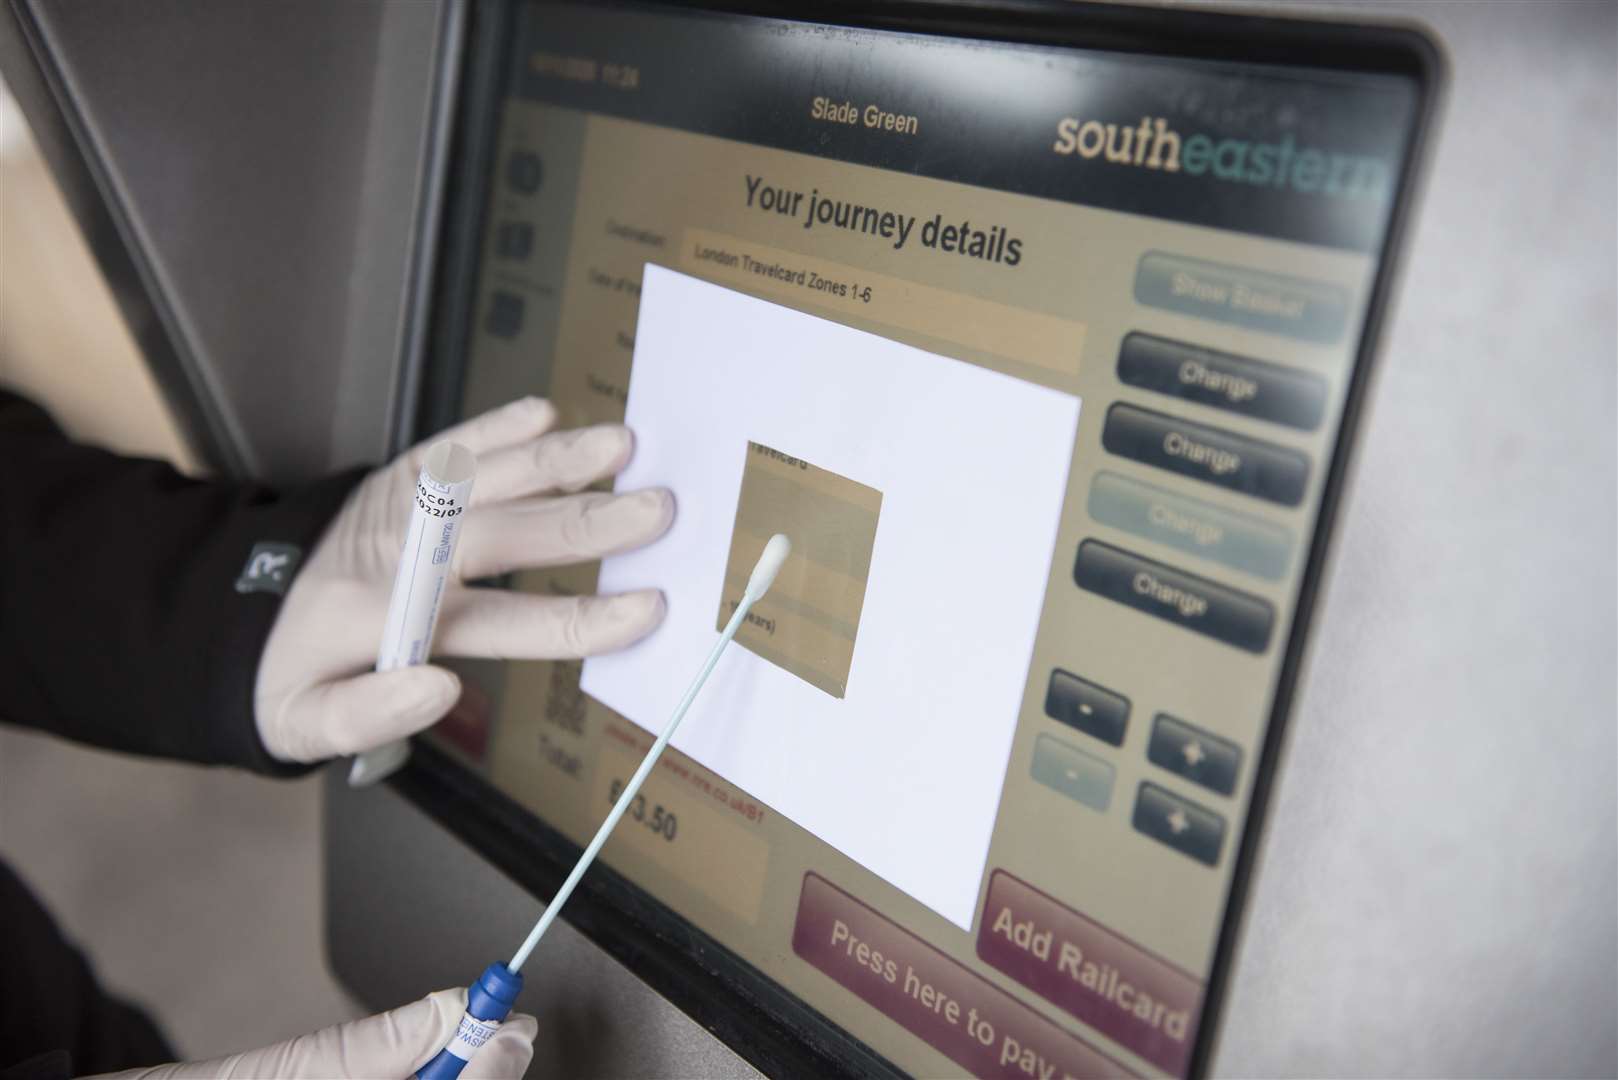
(1190, 829)
(1200, 756)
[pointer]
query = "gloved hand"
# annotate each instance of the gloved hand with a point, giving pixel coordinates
(316, 695)
(388, 1046)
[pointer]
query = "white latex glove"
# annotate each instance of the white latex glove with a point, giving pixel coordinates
(316, 695)
(388, 1046)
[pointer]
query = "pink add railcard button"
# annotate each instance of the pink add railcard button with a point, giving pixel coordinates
(956, 1011)
(1112, 984)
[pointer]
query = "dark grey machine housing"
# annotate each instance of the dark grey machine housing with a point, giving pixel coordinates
(1427, 841)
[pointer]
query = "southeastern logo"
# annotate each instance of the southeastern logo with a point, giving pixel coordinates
(1152, 144)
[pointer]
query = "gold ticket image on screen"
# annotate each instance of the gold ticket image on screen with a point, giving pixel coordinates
(808, 621)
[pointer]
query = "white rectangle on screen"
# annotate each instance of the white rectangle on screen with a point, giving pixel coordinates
(903, 774)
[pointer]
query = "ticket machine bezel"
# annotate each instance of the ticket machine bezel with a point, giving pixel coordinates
(764, 1023)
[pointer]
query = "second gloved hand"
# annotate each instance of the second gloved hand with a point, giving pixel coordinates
(316, 695)
(388, 1046)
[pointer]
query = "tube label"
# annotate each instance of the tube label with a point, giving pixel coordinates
(436, 512)
(471, 1034)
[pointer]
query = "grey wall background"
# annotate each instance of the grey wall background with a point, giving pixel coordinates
(1438, 893)
(1440, 881)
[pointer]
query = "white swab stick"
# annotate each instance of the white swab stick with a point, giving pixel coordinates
(769, 564)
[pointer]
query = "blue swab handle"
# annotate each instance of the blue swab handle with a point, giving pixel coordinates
(488, 1002)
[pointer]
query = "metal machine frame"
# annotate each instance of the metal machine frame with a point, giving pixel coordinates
(39, 84)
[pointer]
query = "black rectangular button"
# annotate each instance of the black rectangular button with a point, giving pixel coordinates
(514, 239)
(1185, 599)
(1179, 823)
(1084, 706)
(504, 317)
(1234, 383)
(1200, 757)
(1208, 454)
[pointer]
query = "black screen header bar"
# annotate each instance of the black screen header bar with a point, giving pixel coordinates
(1313, 156)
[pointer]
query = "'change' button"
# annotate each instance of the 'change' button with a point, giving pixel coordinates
(1208, 454)
(1310, 310)
(1245, 543)
(1233, 383)
(1185, 599)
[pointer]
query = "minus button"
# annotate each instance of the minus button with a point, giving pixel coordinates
(1069, 771)
(1087, 707)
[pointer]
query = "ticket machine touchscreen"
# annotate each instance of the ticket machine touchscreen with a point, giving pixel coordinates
(1046, 355)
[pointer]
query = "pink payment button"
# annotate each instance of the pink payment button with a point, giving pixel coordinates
(960, 1014)
(1110, 983)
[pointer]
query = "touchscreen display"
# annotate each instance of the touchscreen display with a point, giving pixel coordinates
(1040, 356)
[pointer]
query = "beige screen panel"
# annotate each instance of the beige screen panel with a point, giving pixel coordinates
(808, 622)
(1042, 341)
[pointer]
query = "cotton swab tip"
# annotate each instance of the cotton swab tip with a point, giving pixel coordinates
(769, 565)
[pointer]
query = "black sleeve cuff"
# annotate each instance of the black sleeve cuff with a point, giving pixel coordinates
(292, 525)
(132, 611)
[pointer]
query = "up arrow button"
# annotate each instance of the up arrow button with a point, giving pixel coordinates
(1199, 756)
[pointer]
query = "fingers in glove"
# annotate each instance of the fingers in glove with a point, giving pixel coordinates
(553, 531)
(515, 422)
(498, 624)
(353, 715)
(556, 461)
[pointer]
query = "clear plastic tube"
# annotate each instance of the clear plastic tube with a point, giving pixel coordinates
(437, 508)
